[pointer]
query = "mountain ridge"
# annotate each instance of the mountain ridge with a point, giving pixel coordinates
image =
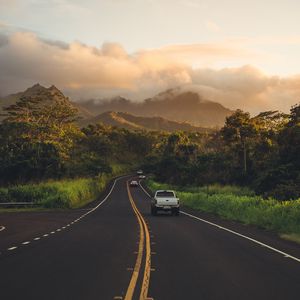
(47, 94)
(173, 108)
(173, 104)
(133, 122)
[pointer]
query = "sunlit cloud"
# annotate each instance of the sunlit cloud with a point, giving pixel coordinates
(84, 71)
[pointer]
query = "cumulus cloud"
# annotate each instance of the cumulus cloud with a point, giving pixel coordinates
(83, 71)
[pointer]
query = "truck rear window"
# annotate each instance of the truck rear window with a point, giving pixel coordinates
(165, 194)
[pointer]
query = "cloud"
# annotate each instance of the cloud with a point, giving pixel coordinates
(212, 26)
(83, 71)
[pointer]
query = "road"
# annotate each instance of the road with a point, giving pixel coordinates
(116, 250)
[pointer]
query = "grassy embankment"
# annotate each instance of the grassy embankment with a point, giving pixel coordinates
(241, 204)
(67, 193)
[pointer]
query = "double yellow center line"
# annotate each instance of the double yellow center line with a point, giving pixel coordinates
(144, 239)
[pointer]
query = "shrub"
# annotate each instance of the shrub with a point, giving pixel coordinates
(4, 197)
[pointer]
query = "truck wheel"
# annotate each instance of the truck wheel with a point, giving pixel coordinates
(153, 211)
(176, 212)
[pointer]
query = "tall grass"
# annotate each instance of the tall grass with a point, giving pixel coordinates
(240, 204)
(57, 194)
(67, 193)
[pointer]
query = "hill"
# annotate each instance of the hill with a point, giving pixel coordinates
(47, 94)
(173, 104)
(128, 121)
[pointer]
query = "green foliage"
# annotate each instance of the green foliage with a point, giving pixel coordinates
(57, 194)
(4, 196)
(39, 141)
(36, 139)
(261, 152)
(241, 205)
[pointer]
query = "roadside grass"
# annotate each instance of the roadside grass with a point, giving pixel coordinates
(57, 194)
(241, 204)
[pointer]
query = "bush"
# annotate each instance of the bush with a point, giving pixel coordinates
(4, 197)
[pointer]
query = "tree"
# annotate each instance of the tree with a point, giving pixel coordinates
(37, 137)
(237, 132)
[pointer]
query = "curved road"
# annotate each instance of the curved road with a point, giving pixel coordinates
(117, 250)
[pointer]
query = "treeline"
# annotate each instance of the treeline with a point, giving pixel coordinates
(40, 140)
(261, 152)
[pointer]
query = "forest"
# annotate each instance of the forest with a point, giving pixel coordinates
(41, 142)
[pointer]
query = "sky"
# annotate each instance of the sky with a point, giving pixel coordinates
(241, 53)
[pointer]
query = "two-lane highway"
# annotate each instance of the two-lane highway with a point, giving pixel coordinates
(120, 251)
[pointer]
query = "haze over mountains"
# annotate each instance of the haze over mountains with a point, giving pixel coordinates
(173, 104)
(170, 110)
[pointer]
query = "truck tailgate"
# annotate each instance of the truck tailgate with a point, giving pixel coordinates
(168, 201)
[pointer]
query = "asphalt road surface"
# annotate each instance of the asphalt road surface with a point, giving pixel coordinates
(116, 250)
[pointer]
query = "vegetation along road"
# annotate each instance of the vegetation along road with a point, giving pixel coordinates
(117, 250)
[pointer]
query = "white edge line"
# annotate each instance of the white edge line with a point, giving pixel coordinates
(91, 210)
(234, 232)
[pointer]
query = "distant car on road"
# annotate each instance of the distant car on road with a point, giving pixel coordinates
(134, 183)
(165, 200)
(142, 176)
(139, 172)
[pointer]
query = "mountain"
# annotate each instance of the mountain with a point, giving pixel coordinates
(171, 110)
(128, 121)
(173, 104)
(47, 94)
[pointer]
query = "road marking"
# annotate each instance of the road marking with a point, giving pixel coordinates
(243, 236)
(78, 219)
(147, 270)
(234, 232)
(137, 267)
(12, 248)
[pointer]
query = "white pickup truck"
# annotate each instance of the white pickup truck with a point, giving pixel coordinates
(165, 200)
